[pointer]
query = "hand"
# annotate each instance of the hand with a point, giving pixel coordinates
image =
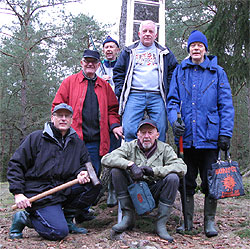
(148, 171)
(22, 201)
(83, 177)
(136, 172)
(118, 131)
(106, 77)
(224, 143)
(178, 128)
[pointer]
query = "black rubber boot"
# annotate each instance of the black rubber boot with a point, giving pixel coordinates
(164, 212)
(128, 215)
(84, 215)
(190, 215)
(19, 221)
(111, 200)
(210, 206)
(69, 216)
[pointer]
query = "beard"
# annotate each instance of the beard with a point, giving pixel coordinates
(146, 145)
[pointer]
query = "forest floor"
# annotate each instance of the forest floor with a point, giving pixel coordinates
(232, 220)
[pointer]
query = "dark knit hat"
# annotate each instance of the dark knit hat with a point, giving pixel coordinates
(110, 39)
(148, 122)
(91, 54)
(197, 36)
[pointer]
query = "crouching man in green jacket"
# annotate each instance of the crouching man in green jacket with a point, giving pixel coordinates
(153, 161)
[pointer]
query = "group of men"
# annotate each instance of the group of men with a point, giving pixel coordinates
(86, 126)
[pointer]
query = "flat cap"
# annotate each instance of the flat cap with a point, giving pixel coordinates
(91, 54)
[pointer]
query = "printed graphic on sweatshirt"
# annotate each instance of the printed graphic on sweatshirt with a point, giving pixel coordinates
(146, 59)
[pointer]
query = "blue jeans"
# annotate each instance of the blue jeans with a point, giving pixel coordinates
(50, 221)
(137, 103)
(93, 149)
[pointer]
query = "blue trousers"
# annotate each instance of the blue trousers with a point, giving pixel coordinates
(93, 149)
(50, 221)
(137, 104)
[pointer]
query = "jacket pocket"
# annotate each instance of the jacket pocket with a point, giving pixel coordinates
(212, 127)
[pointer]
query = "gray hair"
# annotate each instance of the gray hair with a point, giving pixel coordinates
(147, 22)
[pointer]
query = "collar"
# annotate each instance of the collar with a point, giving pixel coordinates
(109, 64)
(89, 79)
(150, 152)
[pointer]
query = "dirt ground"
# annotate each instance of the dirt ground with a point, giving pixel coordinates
(232, 222)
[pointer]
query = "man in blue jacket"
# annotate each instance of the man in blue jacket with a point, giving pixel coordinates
(200, 91)
(142, 75)
(44, 160)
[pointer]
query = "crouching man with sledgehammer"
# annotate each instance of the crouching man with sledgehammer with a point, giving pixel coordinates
(44, 160)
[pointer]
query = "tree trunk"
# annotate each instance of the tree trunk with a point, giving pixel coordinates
(248, 111)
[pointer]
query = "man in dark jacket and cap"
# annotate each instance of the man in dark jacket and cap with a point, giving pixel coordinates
(46, 159)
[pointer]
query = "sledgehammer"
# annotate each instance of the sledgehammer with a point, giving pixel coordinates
(92, 176)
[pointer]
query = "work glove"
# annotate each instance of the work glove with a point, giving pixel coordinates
(147, 171)
(178, 128)
(136, 172)
(224, 143)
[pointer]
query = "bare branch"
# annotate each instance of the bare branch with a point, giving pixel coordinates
(10, 55)
(238, 91)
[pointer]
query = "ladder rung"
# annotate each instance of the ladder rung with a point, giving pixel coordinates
(139, 22)
(147, 2)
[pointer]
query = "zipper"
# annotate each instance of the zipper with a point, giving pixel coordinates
(207, 87)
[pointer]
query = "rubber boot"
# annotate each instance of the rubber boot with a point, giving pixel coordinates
(210, 206)
(128, 215)
(19, 221)
(69, 216)
(190, 215)
(84, 215)
(164, 211)
(111, 200)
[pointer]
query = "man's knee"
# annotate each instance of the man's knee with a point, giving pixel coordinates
(172, 179)
(53, 233)
(116, 173)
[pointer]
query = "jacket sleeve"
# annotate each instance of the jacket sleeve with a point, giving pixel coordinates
(113, 106)
(172, 63)
(22, 159)
(118, 158)
(119, 72)
(85, 157)
(172, 164)
(225, 105)
(173, 98)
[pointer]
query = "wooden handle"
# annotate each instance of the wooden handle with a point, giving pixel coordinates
(50, 192)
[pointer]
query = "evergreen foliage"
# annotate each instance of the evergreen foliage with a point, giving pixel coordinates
(42, 46)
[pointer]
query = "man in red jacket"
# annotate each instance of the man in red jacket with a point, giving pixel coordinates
(95, 108)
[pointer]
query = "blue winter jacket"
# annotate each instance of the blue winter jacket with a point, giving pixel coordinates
(204, 94)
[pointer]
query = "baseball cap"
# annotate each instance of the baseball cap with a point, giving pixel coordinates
(147, 121)
(62, 106)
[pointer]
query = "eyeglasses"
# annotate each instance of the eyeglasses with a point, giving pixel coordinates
(90, 61)
(66, 116)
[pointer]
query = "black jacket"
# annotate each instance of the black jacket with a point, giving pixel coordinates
(42, 162)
